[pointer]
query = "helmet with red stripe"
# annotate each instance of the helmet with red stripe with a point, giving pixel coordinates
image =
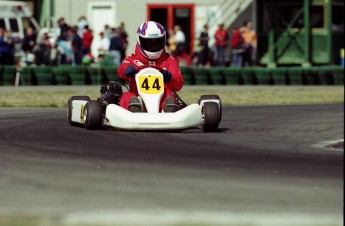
(151, 38)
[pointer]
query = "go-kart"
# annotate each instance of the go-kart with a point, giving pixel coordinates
(105, 111)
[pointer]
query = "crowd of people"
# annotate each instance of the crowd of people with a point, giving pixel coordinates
(75, 42)
(71, 46)
(242, 42)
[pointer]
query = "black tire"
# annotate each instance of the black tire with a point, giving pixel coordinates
(210, 97)
(69, 112)
(93, 115)
(210, 116)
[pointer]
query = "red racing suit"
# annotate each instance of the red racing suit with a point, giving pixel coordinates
(138, 60)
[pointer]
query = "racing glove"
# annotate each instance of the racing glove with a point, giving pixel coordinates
(130, 71)
(167, 76)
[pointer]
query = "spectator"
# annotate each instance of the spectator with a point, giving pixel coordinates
(203, 43)
(76, 43)
(42, 51)
(249, 36)
(123, 35)
(63, 29)
(11, 42)
(114, 32)
(87, 40)
(221, 37)
(82, 22)
(238, 46)
(29, 40)
(115, 47)
(4, 47)
(65, 47)
(180, 41)
(107, 31)
(104, 44)
(171, 42)
(66, 52)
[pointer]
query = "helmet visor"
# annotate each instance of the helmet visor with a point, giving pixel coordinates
(152, 44)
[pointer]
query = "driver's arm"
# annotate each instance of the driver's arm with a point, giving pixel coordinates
(126, 69)
(177, 81)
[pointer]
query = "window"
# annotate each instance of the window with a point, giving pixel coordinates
(338, 17)
(14, 25)
(2, 23)
(182, 12)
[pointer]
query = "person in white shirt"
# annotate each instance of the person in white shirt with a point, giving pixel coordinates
(104, 44)
(82, 22)
(180, 40)
(107, 31)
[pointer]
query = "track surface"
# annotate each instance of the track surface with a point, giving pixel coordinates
(259, 163)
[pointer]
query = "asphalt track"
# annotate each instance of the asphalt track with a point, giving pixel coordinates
(262, 167)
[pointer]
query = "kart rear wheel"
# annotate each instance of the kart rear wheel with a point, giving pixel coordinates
(93, 115)
(210, 117)
(69, 112)
(212, 97)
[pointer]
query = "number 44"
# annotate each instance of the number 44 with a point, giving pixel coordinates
(155, 84)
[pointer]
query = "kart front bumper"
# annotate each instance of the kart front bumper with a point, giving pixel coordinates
(119, 117)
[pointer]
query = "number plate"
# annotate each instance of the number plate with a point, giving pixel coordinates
(151, 84)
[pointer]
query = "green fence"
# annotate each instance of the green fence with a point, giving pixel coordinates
(88, 75)
(322, 75)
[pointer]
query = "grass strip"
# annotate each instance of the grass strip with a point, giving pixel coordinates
(239, 96)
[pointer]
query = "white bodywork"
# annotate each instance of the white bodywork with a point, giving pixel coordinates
(78, 108)
(211, 100)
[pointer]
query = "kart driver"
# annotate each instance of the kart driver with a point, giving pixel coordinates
(150, 52)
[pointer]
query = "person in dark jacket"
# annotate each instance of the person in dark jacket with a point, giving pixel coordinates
(63, 29)
(42, 51)
(29, 40)
(4, 47)
(116, 46)
(203, 43)
(123, 35)
(77, 44)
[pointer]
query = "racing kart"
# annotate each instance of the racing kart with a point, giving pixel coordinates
(106, 112)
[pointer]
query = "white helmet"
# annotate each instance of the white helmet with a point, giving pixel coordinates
(151, 38)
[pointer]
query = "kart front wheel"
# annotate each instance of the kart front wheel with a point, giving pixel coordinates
(210, 117)
(69, 112)
(93, 115)
(212, 97)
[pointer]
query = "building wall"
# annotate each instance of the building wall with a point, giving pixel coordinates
(131, 12)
